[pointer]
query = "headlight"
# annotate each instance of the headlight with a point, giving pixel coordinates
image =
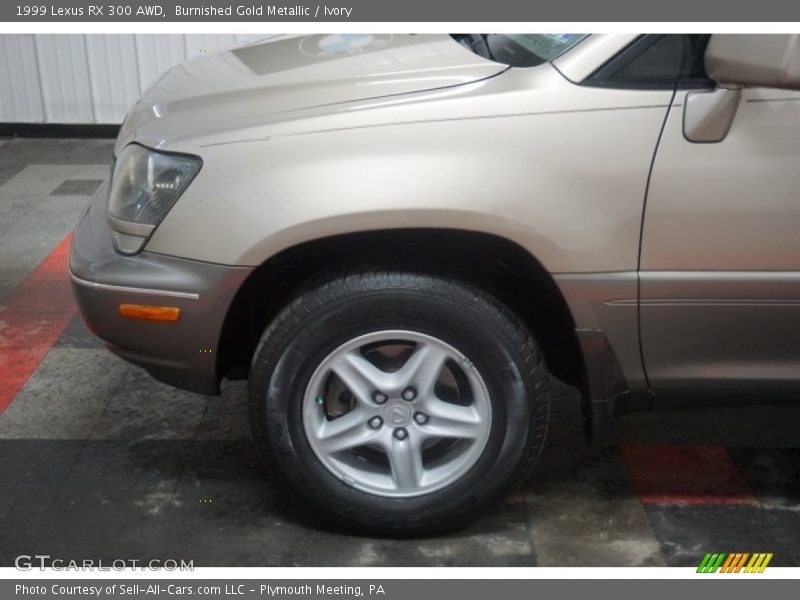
(145, 184)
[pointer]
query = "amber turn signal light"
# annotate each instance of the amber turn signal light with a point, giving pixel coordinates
(168, 314)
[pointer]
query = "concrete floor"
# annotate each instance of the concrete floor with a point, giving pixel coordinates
(99, 460)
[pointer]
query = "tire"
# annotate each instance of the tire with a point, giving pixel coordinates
(491, 366)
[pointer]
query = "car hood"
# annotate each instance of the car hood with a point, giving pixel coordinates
(227, 93)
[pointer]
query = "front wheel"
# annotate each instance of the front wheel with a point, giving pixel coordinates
(398, 402)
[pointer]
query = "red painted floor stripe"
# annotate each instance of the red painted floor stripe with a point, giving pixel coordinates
(32, 319)
(686, 475)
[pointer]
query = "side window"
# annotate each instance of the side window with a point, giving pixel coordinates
(656, 62)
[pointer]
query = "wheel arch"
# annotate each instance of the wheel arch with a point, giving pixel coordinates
(498, 265)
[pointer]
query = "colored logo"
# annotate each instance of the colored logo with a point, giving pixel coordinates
(735, 562)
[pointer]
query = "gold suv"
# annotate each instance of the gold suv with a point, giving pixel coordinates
(397, 237)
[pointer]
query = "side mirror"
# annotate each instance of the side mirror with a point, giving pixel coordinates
(734, 62)
(754, 60)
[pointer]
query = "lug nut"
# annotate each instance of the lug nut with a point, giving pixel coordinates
(379, 397)
(375, 422)
(409, 394)
(421, 418)
(400, 433)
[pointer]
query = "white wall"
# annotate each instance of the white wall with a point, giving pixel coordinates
(90, 78)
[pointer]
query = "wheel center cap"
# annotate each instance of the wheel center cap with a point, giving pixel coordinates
(397, 415)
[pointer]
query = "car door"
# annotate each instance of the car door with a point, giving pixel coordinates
(720, 251)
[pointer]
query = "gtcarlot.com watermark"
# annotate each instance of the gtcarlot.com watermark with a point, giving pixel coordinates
(29, 562)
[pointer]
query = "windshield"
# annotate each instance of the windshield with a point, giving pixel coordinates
(518, 50)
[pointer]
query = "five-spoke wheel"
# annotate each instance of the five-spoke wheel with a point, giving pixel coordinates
(397, 413)
(396, 402)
